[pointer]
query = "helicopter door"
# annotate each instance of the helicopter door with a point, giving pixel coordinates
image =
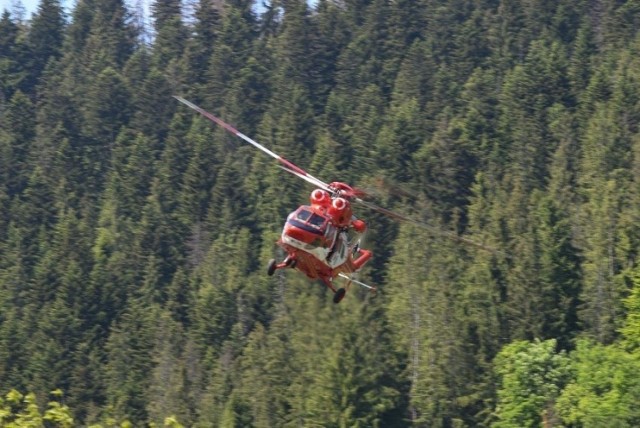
(337, 246)
(330, 235)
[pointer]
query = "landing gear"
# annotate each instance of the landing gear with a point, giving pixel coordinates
(339, 295)
(271, 268)
(290, 262)
(274, 266)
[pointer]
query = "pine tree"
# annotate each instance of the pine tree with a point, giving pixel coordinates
(230, 53)
(415, 77)
(80, 26)
(365, 57)
(427, 304)
(104, 118)
(152, 110)
(354, 122)
(331, 38)
(34, 213)
(247, 96)
(171, 34)
(602, 290)
(199, 48)
(13, 338)
(52, 346)
(297, 54)
(604, 177)
(402, 135)
(630, 329)
(560, 274)
(130, 176)
(19, 131)
(265, 368)
(167, 394)
(129, 362)
(528, 92)
(45, 36)
(445, 168)
(200, 175)
(217, 282)
(580, 66)
(13, 53)
(544, 283)
(102, 35)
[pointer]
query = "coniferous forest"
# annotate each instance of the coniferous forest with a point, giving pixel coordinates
(134, 234)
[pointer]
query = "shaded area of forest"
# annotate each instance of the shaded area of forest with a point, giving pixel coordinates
(134, 234)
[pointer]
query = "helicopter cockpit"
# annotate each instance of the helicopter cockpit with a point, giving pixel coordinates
(310, 231)
(306, 219)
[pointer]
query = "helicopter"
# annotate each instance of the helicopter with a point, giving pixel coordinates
(322, 238)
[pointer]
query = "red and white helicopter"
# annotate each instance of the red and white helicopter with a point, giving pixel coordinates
(316, 236)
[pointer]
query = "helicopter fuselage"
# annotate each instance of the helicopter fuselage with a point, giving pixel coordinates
(316, 237)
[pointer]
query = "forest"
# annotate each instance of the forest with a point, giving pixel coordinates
(134, 234)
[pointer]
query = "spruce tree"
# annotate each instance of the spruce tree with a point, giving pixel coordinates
(13, 53)
(46, 36)
(170, 32)
(18, 127)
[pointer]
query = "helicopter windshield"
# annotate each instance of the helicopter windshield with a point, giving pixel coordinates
(316, 220)
(303, 215)
(307, 220)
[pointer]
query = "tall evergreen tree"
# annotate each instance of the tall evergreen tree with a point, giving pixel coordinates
(170, 32)
(208, 22)
(18, 127)
(104, 119)
(365, 57)
(231, 51)
(13, 52)
(103, 35)
(46, 36)
(129, 362)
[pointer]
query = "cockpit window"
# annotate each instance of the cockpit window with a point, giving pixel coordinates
(310, 219)
(316, 220)
(303, 215)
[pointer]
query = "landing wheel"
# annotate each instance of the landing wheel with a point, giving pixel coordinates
(271, 268)
(339, 295)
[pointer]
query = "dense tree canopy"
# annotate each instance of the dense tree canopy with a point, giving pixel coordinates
(133, 234)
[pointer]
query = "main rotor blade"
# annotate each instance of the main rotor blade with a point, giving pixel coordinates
(432, 229)
(386, 211)
(309, 179)
(288, 166)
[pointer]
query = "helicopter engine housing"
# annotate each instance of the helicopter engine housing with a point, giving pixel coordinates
(340, 211)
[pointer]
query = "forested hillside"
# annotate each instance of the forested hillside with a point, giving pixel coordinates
(134, 234)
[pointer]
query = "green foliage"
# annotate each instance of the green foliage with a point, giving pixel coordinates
(170, 32)
(18, 411)
(12, 69)
(605, 390)
(133, 233)
(531, 376)
(631, 327)
(46, 35)
(18, 128)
